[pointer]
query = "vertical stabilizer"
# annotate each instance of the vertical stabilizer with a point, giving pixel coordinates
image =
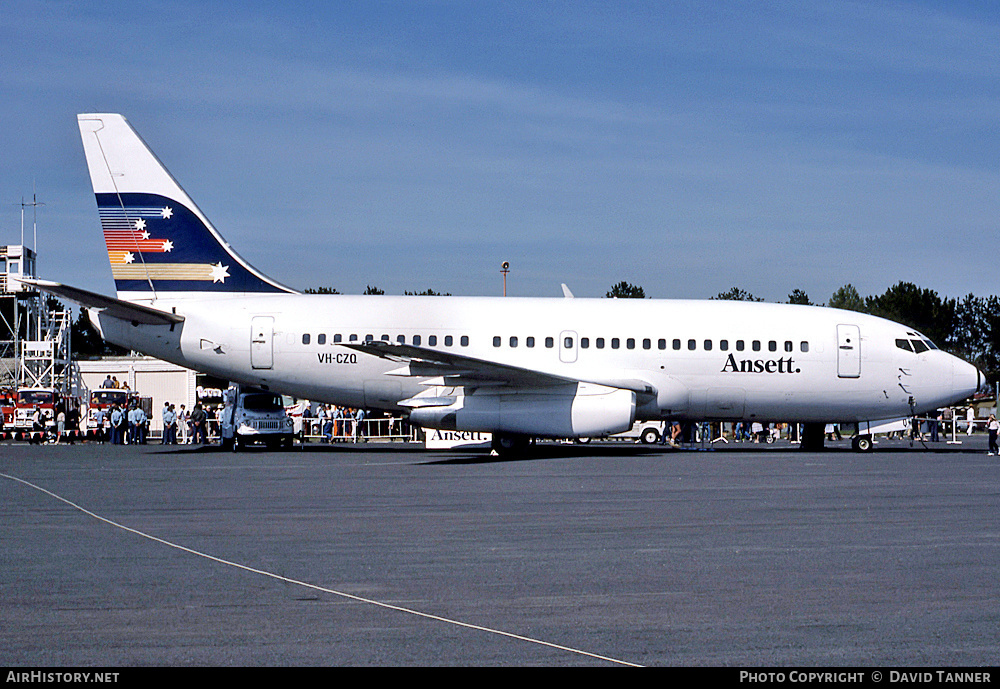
(160, 244)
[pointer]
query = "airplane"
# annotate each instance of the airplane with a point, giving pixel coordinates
(519, 368)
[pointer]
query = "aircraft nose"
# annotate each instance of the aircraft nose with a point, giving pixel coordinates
(967, 378)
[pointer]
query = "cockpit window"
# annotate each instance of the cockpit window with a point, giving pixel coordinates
(916, 343)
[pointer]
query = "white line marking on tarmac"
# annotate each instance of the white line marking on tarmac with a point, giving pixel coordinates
(349, 596)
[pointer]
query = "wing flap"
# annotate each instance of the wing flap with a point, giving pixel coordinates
(448, 369)
(456, 369)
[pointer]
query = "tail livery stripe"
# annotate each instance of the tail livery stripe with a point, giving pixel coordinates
(159, 243)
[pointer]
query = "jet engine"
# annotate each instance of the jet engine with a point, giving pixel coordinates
(571, 411)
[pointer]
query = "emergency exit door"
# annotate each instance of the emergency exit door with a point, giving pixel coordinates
(262, 342)
(848, 351)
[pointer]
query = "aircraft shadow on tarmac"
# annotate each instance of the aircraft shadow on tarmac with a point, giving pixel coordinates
(543, 451)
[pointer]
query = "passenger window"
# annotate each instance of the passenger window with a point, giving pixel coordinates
(630, 343)
(449, 340)
(549, 342)
(600, 343)
(756, 345)
(567, 343)
(677, 344)
(416, 340)
(646, 344)
(708, 345)
(385, 338)
(353, 338)
(432, 340)
(804, 346)
(401, 339)
(305, 338)
(661, 344)
(464, 341)
(724, 345)
(740, 346)
(529, 341)
(496, 340)
(369, 338)
(336, 338)
(513, 340)
(692, 345)
(584, 342)
(772, 346)
(788, 346)
(321, 338)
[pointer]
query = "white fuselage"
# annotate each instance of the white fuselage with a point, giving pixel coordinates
(696, 359)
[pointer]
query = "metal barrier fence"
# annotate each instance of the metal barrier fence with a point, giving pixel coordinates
(349, 430)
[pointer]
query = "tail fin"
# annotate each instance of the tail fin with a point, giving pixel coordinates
(159, 243)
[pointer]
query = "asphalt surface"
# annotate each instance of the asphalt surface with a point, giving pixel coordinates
(587, 555)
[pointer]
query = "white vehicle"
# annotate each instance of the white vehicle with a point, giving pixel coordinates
(253, 416)
(647, 432)
(515, 367)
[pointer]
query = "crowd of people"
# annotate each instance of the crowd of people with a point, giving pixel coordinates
(124, 425)
(338, 424)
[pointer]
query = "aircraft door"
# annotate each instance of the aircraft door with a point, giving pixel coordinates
(262, 342)
(848, 351)
(567, 346)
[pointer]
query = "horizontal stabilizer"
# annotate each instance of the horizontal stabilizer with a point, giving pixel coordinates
(109, 306)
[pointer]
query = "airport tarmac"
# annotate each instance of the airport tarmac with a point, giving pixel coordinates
(594, 555)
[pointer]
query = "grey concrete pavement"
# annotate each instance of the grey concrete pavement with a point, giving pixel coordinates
(750, 556)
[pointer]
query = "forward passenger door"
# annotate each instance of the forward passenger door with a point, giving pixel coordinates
(848, 351)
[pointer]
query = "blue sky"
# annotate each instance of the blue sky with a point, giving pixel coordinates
(687, 147)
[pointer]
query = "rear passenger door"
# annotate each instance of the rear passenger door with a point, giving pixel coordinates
(262, 342)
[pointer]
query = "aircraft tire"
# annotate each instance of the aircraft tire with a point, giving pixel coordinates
(508, 445)
(650, 436)
(862, 443)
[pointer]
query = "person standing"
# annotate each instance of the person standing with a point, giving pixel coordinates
(198, 418)
(170, 426)
(182, 424)
(359, 416)
(117, 425)
(99, 425)
(60, 424)
(37, 427)
(970, 416)
(992, 426)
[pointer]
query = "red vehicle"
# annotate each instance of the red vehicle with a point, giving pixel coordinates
(46, 399)
(7, 398)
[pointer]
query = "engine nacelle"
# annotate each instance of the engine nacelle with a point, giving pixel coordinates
(571, 411)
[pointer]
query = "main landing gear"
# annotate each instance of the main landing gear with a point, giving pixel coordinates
(510, 445)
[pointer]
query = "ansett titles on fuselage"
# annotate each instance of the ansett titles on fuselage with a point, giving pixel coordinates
(759, 365)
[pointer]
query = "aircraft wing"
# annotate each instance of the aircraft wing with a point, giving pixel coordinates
(455, 370)
(116, 308)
